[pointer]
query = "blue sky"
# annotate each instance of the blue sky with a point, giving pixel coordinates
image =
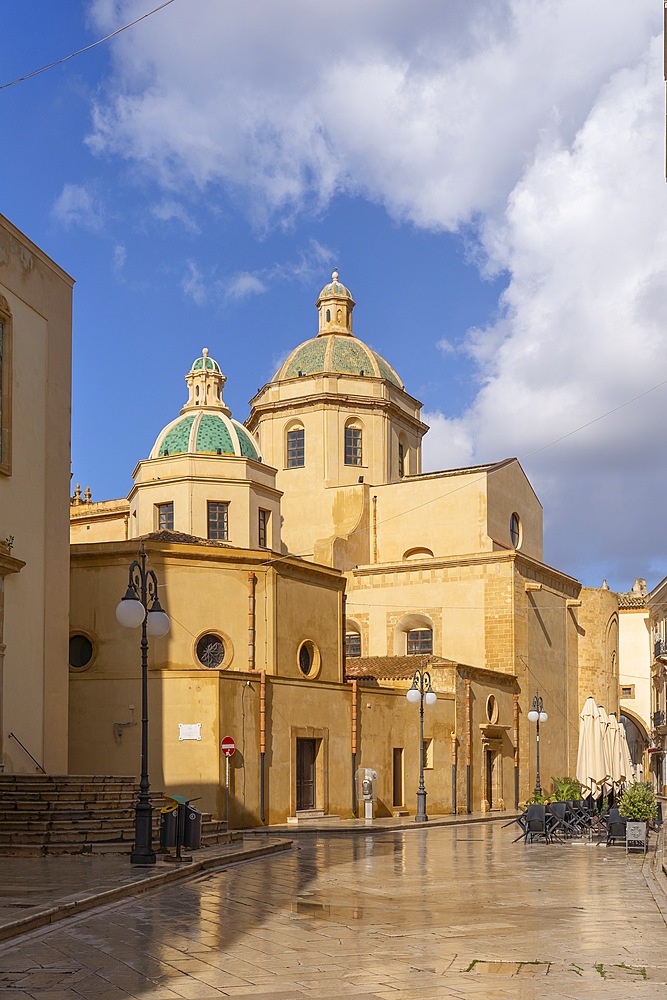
(487, 175)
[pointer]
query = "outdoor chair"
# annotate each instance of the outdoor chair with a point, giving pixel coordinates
(615, 826)
(580, 816)
(561, 821)
(536, 824)
(521, 823)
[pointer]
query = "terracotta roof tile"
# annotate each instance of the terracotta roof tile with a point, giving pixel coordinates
(390, 668)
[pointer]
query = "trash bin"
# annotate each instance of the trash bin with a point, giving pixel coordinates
(191, 827)
(168, 826)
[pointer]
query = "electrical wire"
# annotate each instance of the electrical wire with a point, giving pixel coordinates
(86, 48)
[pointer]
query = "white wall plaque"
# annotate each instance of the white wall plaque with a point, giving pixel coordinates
(189, 731)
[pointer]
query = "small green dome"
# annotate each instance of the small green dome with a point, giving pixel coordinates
(344, 355)
(205, 432)
(204, 362)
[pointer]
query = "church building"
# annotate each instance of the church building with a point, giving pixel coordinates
(309, 567)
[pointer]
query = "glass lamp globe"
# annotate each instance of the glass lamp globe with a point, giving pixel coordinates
(130, 612)
(413, 695)
(543, 716)
(533, 716)
(430, 697)
(157, 624)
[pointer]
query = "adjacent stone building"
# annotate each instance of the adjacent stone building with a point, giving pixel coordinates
(35, 394)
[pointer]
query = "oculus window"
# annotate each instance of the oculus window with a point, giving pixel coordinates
(211, 650)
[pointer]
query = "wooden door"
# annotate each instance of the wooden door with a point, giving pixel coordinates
(306, 754)
(398, 776)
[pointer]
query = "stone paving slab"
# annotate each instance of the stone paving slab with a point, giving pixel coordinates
(35, 892)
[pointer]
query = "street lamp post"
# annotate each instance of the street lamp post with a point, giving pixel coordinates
(140, 606)
(421, 691)
(537, 715)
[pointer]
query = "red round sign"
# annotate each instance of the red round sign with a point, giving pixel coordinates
(228, 746)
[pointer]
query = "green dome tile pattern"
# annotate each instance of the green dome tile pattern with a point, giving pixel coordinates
(176, 441)
(337, 354)
(207, 363)
(212, 434)
(246, 444)
(308, 358)
(350, 356)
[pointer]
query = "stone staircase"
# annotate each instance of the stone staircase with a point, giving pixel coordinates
(79, 814)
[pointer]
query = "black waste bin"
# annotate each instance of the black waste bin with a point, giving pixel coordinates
(168, 827)
(191, 827)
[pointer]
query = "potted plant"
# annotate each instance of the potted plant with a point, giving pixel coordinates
(638, 805)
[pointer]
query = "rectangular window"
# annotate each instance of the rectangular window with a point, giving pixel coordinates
(218, 520)
(263, 532)
(428, 754)
(296, 448)
(398, 777)
(420, 640)
(165, 516)
(352, 644)
(628, 691)
(401, 461)
(352, 446)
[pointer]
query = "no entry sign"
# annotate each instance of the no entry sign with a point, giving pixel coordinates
(228, 746)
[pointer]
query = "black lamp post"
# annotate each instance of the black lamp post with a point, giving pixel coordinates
(537, 715)
(141, 606)
(421, 691)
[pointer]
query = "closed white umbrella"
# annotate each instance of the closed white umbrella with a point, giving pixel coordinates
(613, 740)
(590, 758)
(629, 771)
(603, 727)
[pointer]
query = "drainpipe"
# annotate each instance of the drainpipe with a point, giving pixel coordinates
(468, 746)
(262, 741)
(454, 761)
(252, 583)
(344, 621)
(375, 529)
(516, 751)
(354, 747)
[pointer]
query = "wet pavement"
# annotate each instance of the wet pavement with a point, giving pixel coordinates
(445, 912)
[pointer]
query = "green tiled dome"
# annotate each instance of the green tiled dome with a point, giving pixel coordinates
(205, 362)
(205, 433)
(344, 355)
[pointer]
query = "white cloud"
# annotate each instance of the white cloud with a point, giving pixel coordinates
(244, 284)
(539, 123)
(431, 109)
(171, 211)
(78, 206)
(193, 284)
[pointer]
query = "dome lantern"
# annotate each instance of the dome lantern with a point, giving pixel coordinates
(335, 305)
(205, 383)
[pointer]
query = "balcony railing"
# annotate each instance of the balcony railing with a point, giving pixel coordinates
(660, 648)
(658, 719)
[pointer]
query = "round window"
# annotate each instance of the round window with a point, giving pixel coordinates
(80, 651)
(308, 658)
(492, 709)
(515, 531)
(211, 650)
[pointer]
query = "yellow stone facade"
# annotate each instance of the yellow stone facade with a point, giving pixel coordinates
(35, 353)
(333, 539)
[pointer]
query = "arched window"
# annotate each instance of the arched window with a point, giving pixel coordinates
(413, 635)
(295, 447)
(353, 443)
(515, 531)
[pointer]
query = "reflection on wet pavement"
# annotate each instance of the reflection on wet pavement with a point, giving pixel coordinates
(425, 914)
